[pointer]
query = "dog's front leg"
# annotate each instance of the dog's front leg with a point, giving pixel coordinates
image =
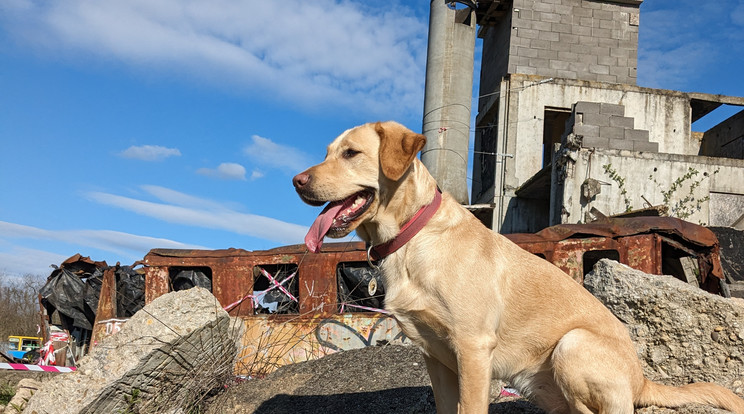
(444, 384)
(474, 375)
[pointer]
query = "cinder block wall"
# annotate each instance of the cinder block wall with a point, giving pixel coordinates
(574, 39)
(603, 125)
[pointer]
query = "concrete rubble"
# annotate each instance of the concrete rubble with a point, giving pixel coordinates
(23, 392)
(166, 358)
(682, 334)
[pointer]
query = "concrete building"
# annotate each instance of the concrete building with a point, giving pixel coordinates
(564, 135)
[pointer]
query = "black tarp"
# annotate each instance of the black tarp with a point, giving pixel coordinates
(130, 291)
(74, 289)
(65, 292)
(361, 285)
(187, 279)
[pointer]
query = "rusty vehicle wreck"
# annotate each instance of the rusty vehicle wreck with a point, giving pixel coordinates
(293, 305)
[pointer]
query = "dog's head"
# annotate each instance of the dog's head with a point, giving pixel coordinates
(358, 164)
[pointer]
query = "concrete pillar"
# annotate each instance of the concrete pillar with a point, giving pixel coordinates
(448, 94)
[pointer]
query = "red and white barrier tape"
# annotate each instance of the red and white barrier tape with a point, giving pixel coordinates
(277, 284)
(29, 367)
(229, 307)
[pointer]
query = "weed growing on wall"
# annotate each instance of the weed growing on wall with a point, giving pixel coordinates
(679, 205)
(687, 204)
(620, 181)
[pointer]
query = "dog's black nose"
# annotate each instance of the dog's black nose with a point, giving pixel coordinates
(300, 180)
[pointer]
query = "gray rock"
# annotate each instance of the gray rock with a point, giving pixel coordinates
(682, 334)
(165, 359)
(24, 390)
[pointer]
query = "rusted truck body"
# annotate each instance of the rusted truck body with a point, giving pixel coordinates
(318, 309)
(654, 245)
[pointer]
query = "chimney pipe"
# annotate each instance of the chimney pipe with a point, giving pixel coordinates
(448, 95)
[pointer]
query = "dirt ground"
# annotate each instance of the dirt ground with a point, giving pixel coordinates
(373, 380)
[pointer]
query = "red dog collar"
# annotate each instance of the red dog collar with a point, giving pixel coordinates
(410, 229)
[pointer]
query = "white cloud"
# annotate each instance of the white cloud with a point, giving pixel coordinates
(679, 49)
(150, 152)
(123, 244)
(256, 174)
(19, 261)
(225, 171)
(267, 152)
(673, 68)
(205, 214)
(181, 199)
(333, 52)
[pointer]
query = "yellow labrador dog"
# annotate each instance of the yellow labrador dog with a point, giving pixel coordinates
(477, 304)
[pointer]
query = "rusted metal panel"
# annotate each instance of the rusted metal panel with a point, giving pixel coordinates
(232, 272)
(620, 227)
(637, 240)
(82, 264)
(272, 340)
(267, 345)
(643, 252)
(106, 309)
(156, 283)
(568, 254)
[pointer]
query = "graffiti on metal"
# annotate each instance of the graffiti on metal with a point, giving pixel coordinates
(337, 335)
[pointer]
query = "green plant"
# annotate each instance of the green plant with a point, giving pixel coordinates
(6, 393)
(620, 181)
(687, 205)
(682, 206)
(133, 400)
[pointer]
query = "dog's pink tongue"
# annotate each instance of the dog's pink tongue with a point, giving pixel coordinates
(321, 225)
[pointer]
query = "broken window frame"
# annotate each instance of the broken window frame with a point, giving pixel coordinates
(281, 282)
(349, 302)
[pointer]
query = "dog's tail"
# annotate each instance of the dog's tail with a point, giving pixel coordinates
(700, 393)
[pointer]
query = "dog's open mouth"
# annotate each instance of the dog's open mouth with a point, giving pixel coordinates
(336, 217)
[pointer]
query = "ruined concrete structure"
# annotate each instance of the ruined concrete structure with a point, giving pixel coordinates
(564, 135)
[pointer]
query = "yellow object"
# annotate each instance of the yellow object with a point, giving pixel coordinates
(24, 343)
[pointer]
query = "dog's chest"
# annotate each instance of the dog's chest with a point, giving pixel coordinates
(420, 319)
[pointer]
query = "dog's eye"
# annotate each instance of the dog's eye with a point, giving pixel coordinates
(350, 153)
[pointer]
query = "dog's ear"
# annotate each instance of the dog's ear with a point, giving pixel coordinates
(398, 148)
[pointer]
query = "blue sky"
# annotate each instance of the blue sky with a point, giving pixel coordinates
(131, 125)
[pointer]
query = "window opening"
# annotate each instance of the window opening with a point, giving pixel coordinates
(680, 264)
(183, 278)
(554, 126)
(275, 289)
(14, 344)
(30, 344)
(590, 258)
(360, 287)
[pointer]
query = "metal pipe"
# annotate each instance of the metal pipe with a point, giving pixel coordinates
(448, 96)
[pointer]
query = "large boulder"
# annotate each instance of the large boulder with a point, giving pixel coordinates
(682, 333)
(166, 358)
